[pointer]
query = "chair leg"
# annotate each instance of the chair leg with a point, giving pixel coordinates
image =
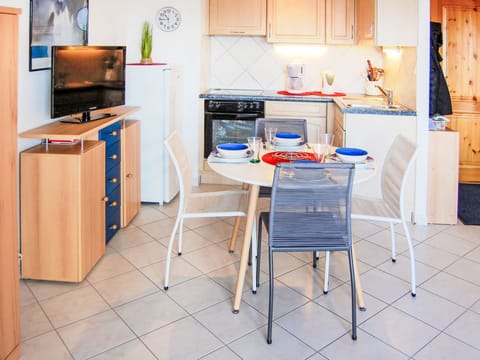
(270, 296)
(253, 252)
(412, 258)
(327, 272)
(169, 250)
(315, 258)
(180, 238)
(394, 242)
(353, 294)
(259, 249)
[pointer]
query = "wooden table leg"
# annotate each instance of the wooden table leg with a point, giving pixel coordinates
(247, 239)
(236, 227)
(358, 283)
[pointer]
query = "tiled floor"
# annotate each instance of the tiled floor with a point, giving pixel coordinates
(120, 311)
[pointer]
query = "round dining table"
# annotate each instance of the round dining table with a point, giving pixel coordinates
(253, 176)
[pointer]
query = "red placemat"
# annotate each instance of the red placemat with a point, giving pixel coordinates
(308, 93)
(276, 157)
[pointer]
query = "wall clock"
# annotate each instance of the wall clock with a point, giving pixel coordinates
(168, 18)
(82, 18)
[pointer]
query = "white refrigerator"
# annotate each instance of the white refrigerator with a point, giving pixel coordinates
(153, 88)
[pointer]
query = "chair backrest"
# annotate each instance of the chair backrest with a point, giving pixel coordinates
(296, 126)
(311, 206)
(178, 153)
(395, 170)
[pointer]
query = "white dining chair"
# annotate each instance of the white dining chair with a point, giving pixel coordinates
(390, 207)
(226, 203)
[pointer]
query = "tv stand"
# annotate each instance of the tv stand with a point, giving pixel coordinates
(86, 117)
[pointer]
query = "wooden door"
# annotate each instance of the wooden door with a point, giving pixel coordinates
(233, 17)
(296, 21)
(130, 171)
(461, 39)
(9, 277)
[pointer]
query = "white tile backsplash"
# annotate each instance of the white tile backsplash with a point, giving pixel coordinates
(250, 62)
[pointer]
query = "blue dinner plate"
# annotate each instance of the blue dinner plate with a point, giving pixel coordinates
(232, 146)
(351, 151)
(283, 135)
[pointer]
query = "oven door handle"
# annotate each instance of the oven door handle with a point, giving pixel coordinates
(230, 116)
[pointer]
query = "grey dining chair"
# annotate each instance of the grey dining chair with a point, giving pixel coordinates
(297, 126)
(310, 211)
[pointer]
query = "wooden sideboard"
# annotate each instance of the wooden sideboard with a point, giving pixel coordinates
(67, 190)
(9, 277)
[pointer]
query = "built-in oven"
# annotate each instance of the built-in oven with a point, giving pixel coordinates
(230, 121)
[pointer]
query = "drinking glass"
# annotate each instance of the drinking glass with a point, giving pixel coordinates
(270, 133)
(323, 147)
(254, 143)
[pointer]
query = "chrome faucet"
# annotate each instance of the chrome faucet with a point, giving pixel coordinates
(388, 93)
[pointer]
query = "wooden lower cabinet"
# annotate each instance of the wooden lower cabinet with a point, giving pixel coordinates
(62, 210)
(319, 115)
(442, 197)
(130, 139)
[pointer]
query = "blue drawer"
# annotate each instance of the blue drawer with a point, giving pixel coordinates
(112, 223)
(112, 179)
(110, 134)
(114, 199)
(112, 155)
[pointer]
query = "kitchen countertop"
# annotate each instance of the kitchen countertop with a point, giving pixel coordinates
(272, 95)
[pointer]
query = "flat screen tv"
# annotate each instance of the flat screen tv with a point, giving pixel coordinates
(86, 78)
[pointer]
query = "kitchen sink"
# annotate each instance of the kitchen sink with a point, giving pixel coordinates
(370, 102)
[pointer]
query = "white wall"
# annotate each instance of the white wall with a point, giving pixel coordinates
(118, 22)
(251, 63)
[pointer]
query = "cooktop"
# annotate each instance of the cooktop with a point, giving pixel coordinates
(236, 91)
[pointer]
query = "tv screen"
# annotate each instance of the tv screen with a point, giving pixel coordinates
(86, 78)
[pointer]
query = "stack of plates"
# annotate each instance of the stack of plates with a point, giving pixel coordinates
(288, 141)
(232, 151)
(351, 155)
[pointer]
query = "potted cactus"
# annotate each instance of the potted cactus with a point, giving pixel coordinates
(146, 44)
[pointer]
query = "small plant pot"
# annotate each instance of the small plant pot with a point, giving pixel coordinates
(146, 61)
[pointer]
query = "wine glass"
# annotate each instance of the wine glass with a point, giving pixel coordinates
(323, 146)
(254, 143)
(270, 133)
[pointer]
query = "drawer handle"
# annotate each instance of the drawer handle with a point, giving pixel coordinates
(114, 157)
(129, 176)
(113, 227)
(114, 133)
(114, 180)
(114, 203)
(105, 199)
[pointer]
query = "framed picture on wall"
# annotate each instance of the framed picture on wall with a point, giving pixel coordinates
(55, 22)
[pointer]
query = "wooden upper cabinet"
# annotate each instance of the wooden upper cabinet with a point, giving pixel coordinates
(233, 17)
(293, 21)
(340, 21)
(365, 21)
(396, 22)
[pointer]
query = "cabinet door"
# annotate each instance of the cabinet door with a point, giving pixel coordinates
(365, 21)
(9, 293)
(442, 198)
(130, 171)
(233, 17)
(296, 21)
(396, 23)
(62, 210)
(340, 21)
